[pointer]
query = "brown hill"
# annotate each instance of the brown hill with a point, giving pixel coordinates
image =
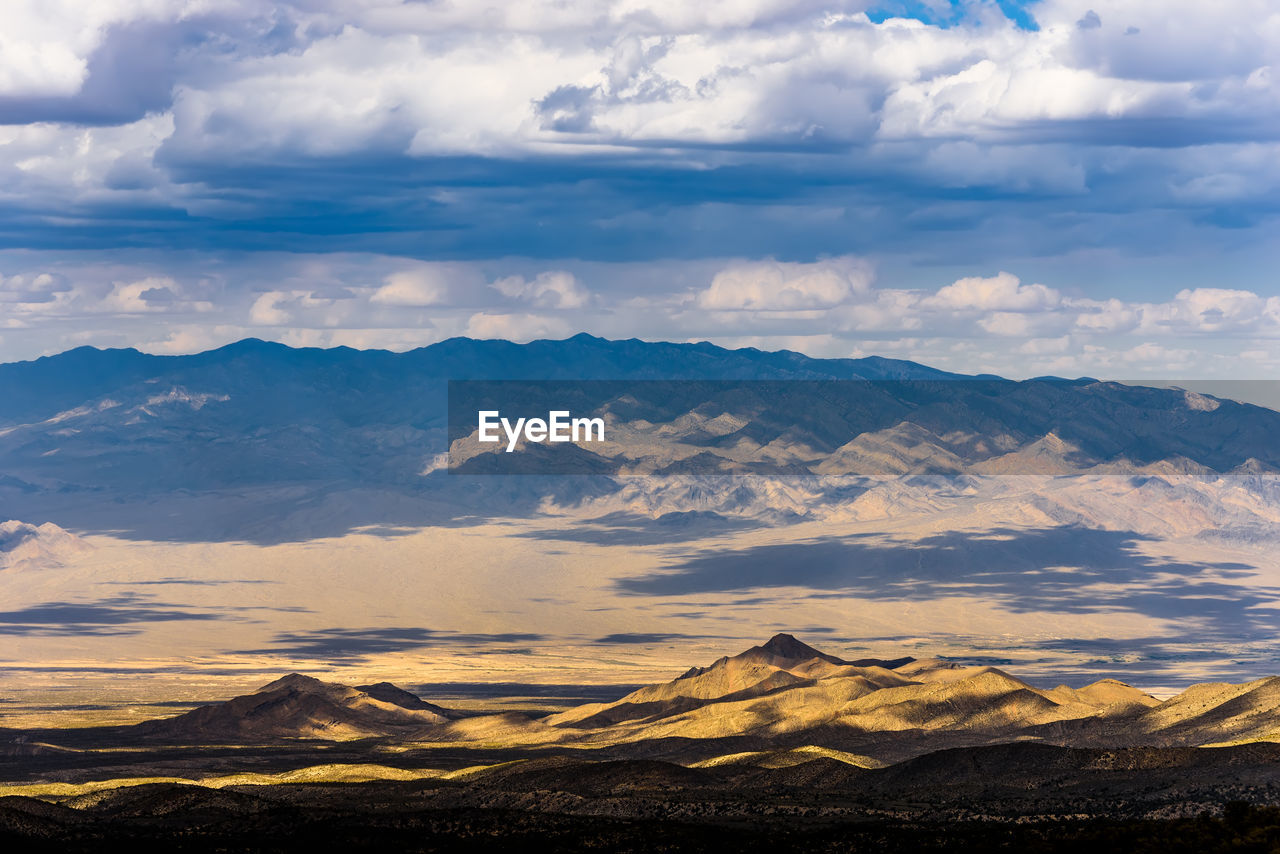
(787, 689)
(780, 664)
(1109, 694)
(298, 706)
(1216, 712)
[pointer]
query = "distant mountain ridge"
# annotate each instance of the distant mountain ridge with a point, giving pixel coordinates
(43, 387)
(259, 413)
(88, 434)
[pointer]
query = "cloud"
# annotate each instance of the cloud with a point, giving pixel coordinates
(834, 307)
(150, 294)
(266, 310)
(413, 288)
(1110, 315)
(777, 286)
(33, 288)
(388, 174)
(1089, 21)
(1215, 310)
(1000, 293)
(516, 327)
(193, 339)
(607, 127)
(551, 289)
(1043, 346)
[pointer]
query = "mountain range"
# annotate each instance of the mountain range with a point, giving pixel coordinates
(782, 702)
(89, 436)
(255, 413)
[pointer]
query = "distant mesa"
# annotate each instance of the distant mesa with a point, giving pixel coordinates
(298, 706)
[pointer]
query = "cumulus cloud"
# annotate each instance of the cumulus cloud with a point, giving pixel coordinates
(1000, 293)
(149, 294)
(267, 310)
(428, 284)
(516, 327)
(779, 286)
(550, 289)
(423, 286)
(1215, 310)
(835, 307)
(33, 288)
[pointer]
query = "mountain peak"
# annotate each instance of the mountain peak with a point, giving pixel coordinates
(294, 682)
(787, 646)
(251, 345)
(391, 693)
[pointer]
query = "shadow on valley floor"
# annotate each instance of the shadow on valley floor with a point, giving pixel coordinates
(299, 511)
(523, 690)
(632, 529)
(303, 511)
(344, 643)
(1155, 660)
(115, 615)
(1072, 570)
(649, 637)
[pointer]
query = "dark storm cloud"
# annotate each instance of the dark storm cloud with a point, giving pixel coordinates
(272, 146)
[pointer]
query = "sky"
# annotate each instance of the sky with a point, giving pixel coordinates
(1070, 187)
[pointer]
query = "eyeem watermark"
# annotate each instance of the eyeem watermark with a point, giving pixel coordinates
(558, 426)
(934, 426)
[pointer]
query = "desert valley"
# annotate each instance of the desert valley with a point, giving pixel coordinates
(265, 592)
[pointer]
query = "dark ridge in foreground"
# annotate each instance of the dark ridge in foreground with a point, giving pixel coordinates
(1015, 797)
